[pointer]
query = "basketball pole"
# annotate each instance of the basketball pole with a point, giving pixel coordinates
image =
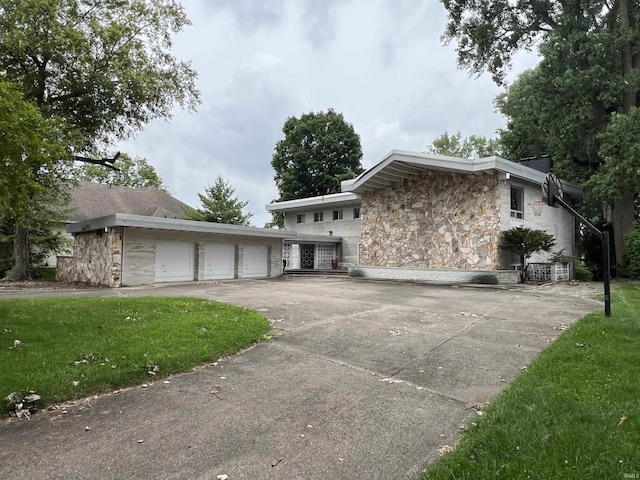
(604, 238)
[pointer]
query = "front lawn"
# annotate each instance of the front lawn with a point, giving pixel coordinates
(66, 348)
(573, 414)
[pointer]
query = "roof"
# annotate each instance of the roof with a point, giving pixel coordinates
(142, 221)
(323, 201)
(398, 165)
(92, 200)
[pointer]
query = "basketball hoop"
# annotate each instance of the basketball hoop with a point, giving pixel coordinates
(537, 207)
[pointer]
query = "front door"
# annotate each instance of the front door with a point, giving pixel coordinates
(307, 255)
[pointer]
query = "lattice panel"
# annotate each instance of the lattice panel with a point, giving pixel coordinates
(539, 272)
(325, 253)
(286, 253)
(562, 271)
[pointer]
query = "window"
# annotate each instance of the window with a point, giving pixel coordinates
(318, 216)
(300, 218)
(337, 214)
(517, 202)
(356, 212)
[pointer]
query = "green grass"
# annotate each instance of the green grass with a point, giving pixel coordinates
(573, 414)
(109, 343)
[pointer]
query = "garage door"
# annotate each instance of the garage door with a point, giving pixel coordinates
(254, 263)
(174, 261)
(219, 261)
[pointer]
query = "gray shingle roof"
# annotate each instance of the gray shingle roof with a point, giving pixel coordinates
(92, 200)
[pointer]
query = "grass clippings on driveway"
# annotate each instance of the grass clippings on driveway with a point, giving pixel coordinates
(573, 414)
(66, 348)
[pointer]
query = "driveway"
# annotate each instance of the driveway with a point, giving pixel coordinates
(362, 380)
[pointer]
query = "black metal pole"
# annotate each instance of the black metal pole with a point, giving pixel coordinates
(606, 266)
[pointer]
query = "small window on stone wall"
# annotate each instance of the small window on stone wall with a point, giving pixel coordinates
(517, 202)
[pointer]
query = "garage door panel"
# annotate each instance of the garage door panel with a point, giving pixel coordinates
(255, 262)
(174, 262)
(219, 261)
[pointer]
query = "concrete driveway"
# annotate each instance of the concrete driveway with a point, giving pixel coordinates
(363, 380)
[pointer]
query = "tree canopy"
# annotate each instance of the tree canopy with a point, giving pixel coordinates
(318, 151)
(589, 76)
(220, 206)
(99, 71)
(132, 172)
(475, 146)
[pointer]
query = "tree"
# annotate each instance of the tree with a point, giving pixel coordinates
(475, 146)
(29, 162)
(525, 242)
(590, 69)
(318, 151)
(101, 70)
(219, 206)
(132, 172)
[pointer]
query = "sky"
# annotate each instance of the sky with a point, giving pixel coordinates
(381, 63)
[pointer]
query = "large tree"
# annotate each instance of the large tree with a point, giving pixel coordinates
(101, 69)
(475, 146)
(318, 151)
(590, 69)
(132, 172)
(29, 177)
(220, 206)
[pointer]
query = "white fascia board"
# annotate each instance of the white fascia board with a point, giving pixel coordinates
(158, 223)
(531, 175)
(300, 204)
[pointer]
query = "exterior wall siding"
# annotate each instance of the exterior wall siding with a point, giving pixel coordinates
(554, 221)
(139, 252)
(435, 220)
(348, 229)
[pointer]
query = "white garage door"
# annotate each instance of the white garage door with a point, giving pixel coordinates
(174, 261)
(219, 261)
(254, 263)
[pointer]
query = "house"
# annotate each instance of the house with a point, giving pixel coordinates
(132, 236)
(418, 216)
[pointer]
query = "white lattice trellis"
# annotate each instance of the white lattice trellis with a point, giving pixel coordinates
(286, 253)
(324, 254)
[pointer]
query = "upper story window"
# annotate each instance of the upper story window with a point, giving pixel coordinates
(318, 216)
(517, 202)
(300, 218)
(356, 212)
(337, 214)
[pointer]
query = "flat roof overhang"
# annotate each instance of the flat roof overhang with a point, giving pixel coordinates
(323, 201)
(302, 238)
(159, 223)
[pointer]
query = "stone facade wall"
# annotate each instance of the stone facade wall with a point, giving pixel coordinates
(434, 220)
(97, 259)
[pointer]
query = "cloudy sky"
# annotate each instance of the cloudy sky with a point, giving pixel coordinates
(380, 63)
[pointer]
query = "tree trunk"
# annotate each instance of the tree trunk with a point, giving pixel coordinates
(20, 269)
(622, 216)
(629, 93)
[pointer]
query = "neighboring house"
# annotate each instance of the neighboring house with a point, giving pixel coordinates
(431, 217)
(133, 236)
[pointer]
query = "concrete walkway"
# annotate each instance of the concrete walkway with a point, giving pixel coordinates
(363, 380)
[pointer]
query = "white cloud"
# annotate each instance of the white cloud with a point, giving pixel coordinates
(381, 63)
